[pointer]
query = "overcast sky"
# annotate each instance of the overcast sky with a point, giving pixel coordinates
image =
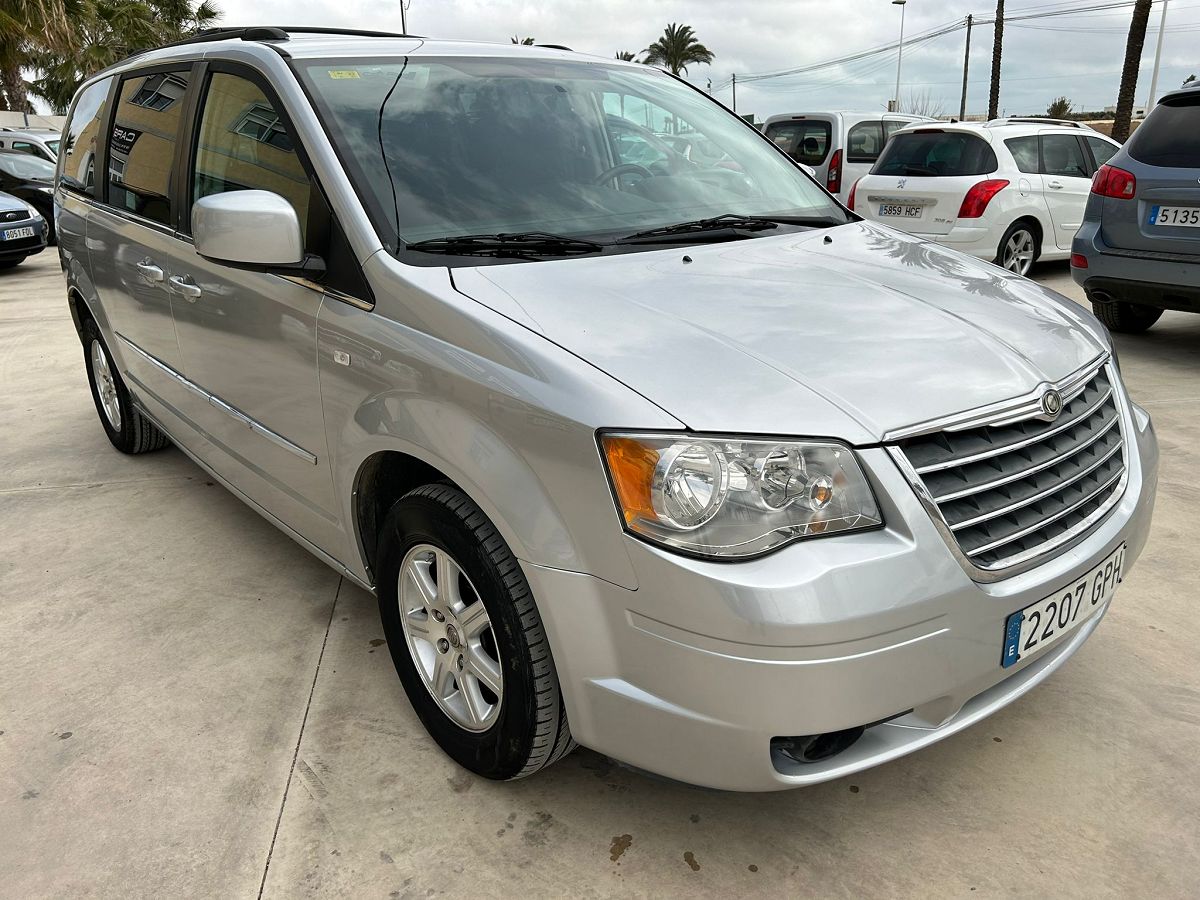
(1077, 56)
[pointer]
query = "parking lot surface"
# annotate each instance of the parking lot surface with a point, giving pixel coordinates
(192, 705)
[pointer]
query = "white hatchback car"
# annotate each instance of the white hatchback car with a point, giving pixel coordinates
(1010, 190)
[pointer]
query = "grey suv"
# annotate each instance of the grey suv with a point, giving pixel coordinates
(1138, 250)
(687, 463)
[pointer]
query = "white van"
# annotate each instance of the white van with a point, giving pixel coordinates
(840, 146)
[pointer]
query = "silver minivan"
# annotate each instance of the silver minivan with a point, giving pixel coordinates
(840, 147)
(687, 463)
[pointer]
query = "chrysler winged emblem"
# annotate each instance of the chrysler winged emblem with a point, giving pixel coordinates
(1052, 403)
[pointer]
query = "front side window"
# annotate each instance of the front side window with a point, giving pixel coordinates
(806, 140)
(1170, 136)
(141, 148)
(935, 153)
(1025, 152)
(243, 144)
(864, 142)
(443, 147)
(1102, 151)
(79, 141)
(1063, 156)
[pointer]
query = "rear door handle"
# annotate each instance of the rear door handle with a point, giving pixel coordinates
(149, 271)
(1054, 185)
(181, 284)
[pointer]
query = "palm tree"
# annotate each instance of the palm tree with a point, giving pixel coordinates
(1129, 74)
(527, 42)
(25, 23)
(677, 49)
(997, 51)
(626, 55)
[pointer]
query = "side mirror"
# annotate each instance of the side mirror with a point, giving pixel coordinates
(812, 173)
(256, 230)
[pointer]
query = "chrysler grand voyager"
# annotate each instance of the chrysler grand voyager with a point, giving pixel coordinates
(684, 462)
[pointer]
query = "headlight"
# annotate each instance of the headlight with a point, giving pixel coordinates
(33, 211)
(733, 498)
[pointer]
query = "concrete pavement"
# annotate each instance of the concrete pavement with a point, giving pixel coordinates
(190, 704)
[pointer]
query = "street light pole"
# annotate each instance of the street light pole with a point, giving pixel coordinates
(962, 106)
(1162, 27)
(403, 22)
(900, 53)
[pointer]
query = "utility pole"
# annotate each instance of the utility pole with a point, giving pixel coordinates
(1162, 27)
(709, 88)
(899, 52)
(997, 50)
(733, 81)
(962, 106)
(403, 22)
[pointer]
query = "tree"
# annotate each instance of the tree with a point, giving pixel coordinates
(997, 51)
(1129, 73)
(1189, 79)
(923, 103)
(626, 55)
(677, 49)
(1059, 108)
(525, 42)
(24, 24)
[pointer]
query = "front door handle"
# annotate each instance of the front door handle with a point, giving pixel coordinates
(149, 271)
(181, 284)
(1054, 185)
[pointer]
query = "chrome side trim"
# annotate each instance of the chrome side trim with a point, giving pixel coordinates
(232, 411)
(1005, 411)
(1022, 562)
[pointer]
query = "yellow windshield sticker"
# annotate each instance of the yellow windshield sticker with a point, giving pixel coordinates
(344, 73)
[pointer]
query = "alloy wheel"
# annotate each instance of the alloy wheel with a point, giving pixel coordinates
(106, 386)
(1019, 252)
(450, 638)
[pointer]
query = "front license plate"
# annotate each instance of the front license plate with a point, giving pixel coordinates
(13, 233)
(903, 212)
(1187, 216)
(1037, 626)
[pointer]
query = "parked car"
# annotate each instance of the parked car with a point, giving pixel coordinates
(1138, 251)
(620, 451)
(31, 179)
(22, 231)
(840, 147)
(1010, 190)
(40, 142)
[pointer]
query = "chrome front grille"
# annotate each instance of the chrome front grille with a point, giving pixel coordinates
(1009, 490)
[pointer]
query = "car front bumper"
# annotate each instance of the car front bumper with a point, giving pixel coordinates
(693, 674)
(22, 247)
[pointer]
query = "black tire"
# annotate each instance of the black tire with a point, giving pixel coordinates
(10, 263)
(530, 730)
(1126, 318)
(1015, 230)
(132, 432)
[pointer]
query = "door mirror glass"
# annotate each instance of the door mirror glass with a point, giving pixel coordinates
(248, 229)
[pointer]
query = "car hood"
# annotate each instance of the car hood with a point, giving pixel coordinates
(849, 332)
(9, 202)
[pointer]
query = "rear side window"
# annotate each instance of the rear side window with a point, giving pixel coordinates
(936, 154)
(243, 144)
(1062, 155)
(1102, 151)
(1170, 136)
(141, 149)
(1025, 152)
(804, 140)
(78, 160)
(864, 142)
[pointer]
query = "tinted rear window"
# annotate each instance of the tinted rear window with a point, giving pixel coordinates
(936, 154)
(1170, 136)
(806, 141)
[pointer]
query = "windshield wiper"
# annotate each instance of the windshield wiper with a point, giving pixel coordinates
(730, 222)
(518, 245)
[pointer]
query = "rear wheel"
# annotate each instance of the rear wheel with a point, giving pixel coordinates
(466, 637)
(127, 428)
(1018, 249)
(1126, 318)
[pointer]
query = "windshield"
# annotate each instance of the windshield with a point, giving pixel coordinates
(22, 165)
(441, 147)
(936, 153)
(1170, 136)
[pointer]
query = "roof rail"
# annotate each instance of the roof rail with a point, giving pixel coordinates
(556, 47)
(270, 33)
(1037, 120)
